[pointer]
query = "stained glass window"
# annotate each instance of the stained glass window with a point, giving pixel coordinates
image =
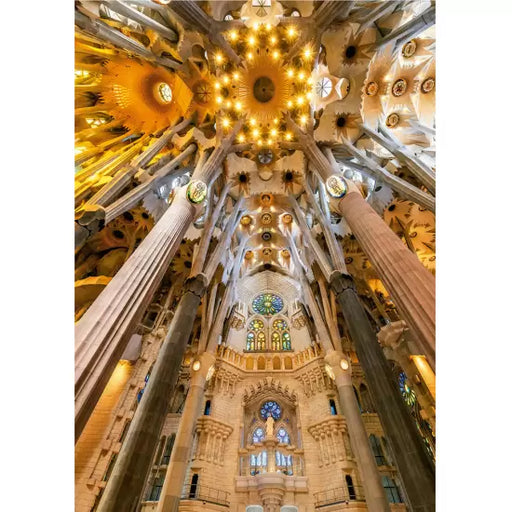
(256, 325)
(258, 435)
(270, 408)
(287, 344)
(282, 436)
(280, 324)
(284, 463)
(276, 341)
(407, 392)
(267, 304)
(260, 343)
(250, 341)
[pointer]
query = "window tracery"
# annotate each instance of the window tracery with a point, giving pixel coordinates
(256, 339)
(281, 335)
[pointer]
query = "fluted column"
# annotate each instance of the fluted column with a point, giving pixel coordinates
(410, 285)
(127, 479)
(412, 460)
(376, 499)
(177, 469)
(102, 333)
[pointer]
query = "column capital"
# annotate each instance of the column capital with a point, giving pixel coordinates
(200, 375)
(339, 282)
(339, 364)
(196, 285)
(391, 335)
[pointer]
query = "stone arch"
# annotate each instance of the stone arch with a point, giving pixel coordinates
(262, 364)
(249, 363)
(276, 363)
(288, 363)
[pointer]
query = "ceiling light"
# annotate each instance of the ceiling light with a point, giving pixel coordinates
(251, 40)
(290, 73)
(301, 75)
(238, 106)
(225, 79)
(236, 75)
(291, 32)
(344, 364)
(233, 35)
(225, 122)
(241, 138)
(219, 58)
(216, 85)
(273, 132)
(256, 132)
(252, 121)
(288, 136)
(300, 100)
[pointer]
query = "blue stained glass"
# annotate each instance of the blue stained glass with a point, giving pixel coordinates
(408, 394)
(282, 436)
(258, 435)
(270, 409)
(267, 304)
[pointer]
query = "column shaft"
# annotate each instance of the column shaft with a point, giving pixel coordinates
(415, 466)
(127, 480)
(410, 285)
(102, 333)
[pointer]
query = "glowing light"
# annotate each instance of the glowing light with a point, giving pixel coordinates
(310, 80)
(275, 55)
(228, 104)
(250, 56)
(252, 121)
(233, 35)
(236, 75)
(303, 119)
(301, 75)
(216, 85)
(289, 104)
(256, 26)
(238, 106)
(270, 142)
(273, 40)
(259, 142)
(344, 364)
(218, 99)
(196, 365)
(268, 26)
(219, 58)
(290, 73)
(273, 132)
(288, 136)
(300, 100)
(225, 122)
(309, 95)
(251, 40)
(225, 79)
(255, 132)
(241, 138)
(291, 32)
(276, 120)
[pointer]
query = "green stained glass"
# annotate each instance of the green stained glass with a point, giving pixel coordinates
(256, 325)
(280, 325)
(287, 344)
(267, 304)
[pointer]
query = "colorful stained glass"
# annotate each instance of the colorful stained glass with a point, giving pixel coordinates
(279, 325)
(260, 340)
(276, 341)
(267, 304)
(270, 408)
(196, 191)
(287, 343)
(256, 325)
(407, 392)
(282, 436)
(258, 435)
(250, 341)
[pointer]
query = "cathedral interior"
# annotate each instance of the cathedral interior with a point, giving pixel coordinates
(255, 255)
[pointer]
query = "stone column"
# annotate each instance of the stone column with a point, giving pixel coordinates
(175, 476)
(410, 285)
(376, 499)
(102, 333)
(412, 460)
(128, 477)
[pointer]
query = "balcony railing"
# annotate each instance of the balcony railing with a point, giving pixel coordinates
(201, 492)
(338, 495)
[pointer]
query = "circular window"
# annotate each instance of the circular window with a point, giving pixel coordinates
(392, 120)
(266, 236)
(399, 87)
(372, 88)
(350, 52)
(165, 92)
(267, 304)
(266, 218)
(409, 49)
(336, 186)
(196, 191)
(324, 87)
(428, 85)
(264, 89)
(265, 156)
(270, 408)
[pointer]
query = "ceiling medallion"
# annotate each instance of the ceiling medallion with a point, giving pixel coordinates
(203, 92)
(164, 92)
(428, 85)
(196, 191)
(336, 186)
(266, 236)
(287, 218)
(248, 255)
(372, 89)
(266, 219)
(265, 156)
(266, 199)
(267, 252)
(246, 220)
(285, 253)
(399, 87)
(392, 120)
(409, 49)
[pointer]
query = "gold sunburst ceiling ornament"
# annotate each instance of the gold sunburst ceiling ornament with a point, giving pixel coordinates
(149, 98)
(265, 87)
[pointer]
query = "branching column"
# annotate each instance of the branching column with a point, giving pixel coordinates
(410, 285)
(412, 460)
